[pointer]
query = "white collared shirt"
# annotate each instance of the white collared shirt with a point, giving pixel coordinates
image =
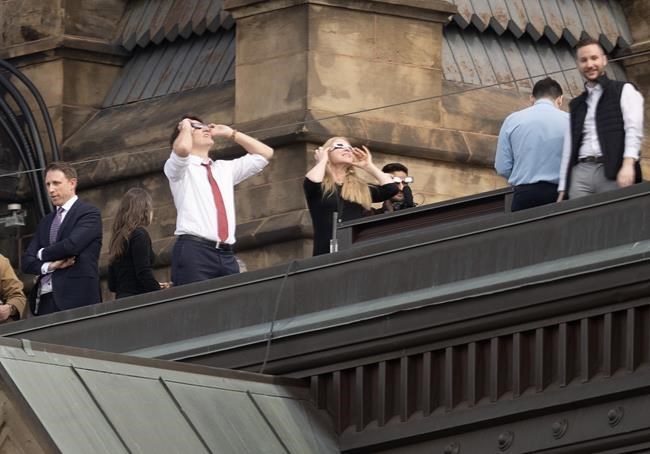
(47, 287)
(188, 181)
(632, 110)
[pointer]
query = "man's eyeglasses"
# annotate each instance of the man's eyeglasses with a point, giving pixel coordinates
(405, 180)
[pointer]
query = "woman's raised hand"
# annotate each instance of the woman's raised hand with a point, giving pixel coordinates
(362, 157)
(321, 154)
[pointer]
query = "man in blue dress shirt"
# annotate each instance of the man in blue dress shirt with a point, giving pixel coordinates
(529, 149)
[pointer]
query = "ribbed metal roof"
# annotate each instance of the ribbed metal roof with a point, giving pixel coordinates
(173, 67)
(603, 20)
(155, 21)
(93, 402)
(510, 44)
(488, 58)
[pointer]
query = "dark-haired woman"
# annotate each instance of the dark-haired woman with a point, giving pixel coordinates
(130, 254)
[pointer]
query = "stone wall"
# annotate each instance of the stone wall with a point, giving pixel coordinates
(293, 93)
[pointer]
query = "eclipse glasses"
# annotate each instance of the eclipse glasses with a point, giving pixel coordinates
(198, 125)
(406, 180)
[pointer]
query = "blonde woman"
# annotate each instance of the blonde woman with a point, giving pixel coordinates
(332, 185)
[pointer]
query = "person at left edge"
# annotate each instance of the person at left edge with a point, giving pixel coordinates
(64, 251)
(203, 192)
(12, 298)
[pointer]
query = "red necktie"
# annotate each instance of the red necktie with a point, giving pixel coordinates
(222, 219)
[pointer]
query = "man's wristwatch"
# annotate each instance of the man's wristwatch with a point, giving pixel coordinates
(14, 315)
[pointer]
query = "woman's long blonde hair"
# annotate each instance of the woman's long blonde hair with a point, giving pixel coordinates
(354, 189)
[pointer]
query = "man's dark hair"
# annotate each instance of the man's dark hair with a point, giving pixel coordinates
(176, 131)
(547, 88)
(395, 167)
(588, 42)
(62, 166)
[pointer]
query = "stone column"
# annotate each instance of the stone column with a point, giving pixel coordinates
(303, 59)
(66, 49)
(304, 71)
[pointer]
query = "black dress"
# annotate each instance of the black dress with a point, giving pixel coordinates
(131, 273)
(322, 209)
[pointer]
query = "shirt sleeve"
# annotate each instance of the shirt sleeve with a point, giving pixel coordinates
(176, 166)
(566, 155)
(504, 159)
(247, 166)
(632, 109)
(312, 190)
(383, 192)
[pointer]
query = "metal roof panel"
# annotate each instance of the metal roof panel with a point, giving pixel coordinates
(487, 58)
(104, 403)
(173, 67)
(553, 19)
(63, 406)
(147, 21)
(500, 16)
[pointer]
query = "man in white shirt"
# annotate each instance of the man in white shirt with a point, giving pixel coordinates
(203, 192)
(601, 148)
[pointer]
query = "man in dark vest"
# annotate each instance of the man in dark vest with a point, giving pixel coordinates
(601, 152)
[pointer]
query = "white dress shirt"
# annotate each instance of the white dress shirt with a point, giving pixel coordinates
(188, 180)
(632, 110)
(47, 286)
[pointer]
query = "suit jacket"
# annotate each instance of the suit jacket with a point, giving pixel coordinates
(80, 235)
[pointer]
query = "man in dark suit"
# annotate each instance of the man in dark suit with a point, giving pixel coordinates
(65, 248)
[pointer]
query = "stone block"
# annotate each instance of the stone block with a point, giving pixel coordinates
(638, 18)
(48, 78)
(95, 19)
(73, 118)
(408, 41)
(271, 86)
(482, 148)
(480, 111)
(342, 32)
(87, 83)
(23, 21)
(276, 254)
(263, 201)
(277, 229)
(279, 33)
(358, 84)
(288, 163)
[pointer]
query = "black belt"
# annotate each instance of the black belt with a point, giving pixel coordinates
(594, 159)
(215, 244)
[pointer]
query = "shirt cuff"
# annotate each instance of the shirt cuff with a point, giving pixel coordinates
(39, 254)
(631, 154)
(45, 268)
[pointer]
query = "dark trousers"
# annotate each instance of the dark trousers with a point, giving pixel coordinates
(533, 195)
(193, 261)
(47, 304)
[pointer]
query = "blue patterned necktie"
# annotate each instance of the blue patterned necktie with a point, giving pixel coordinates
(56, 224)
